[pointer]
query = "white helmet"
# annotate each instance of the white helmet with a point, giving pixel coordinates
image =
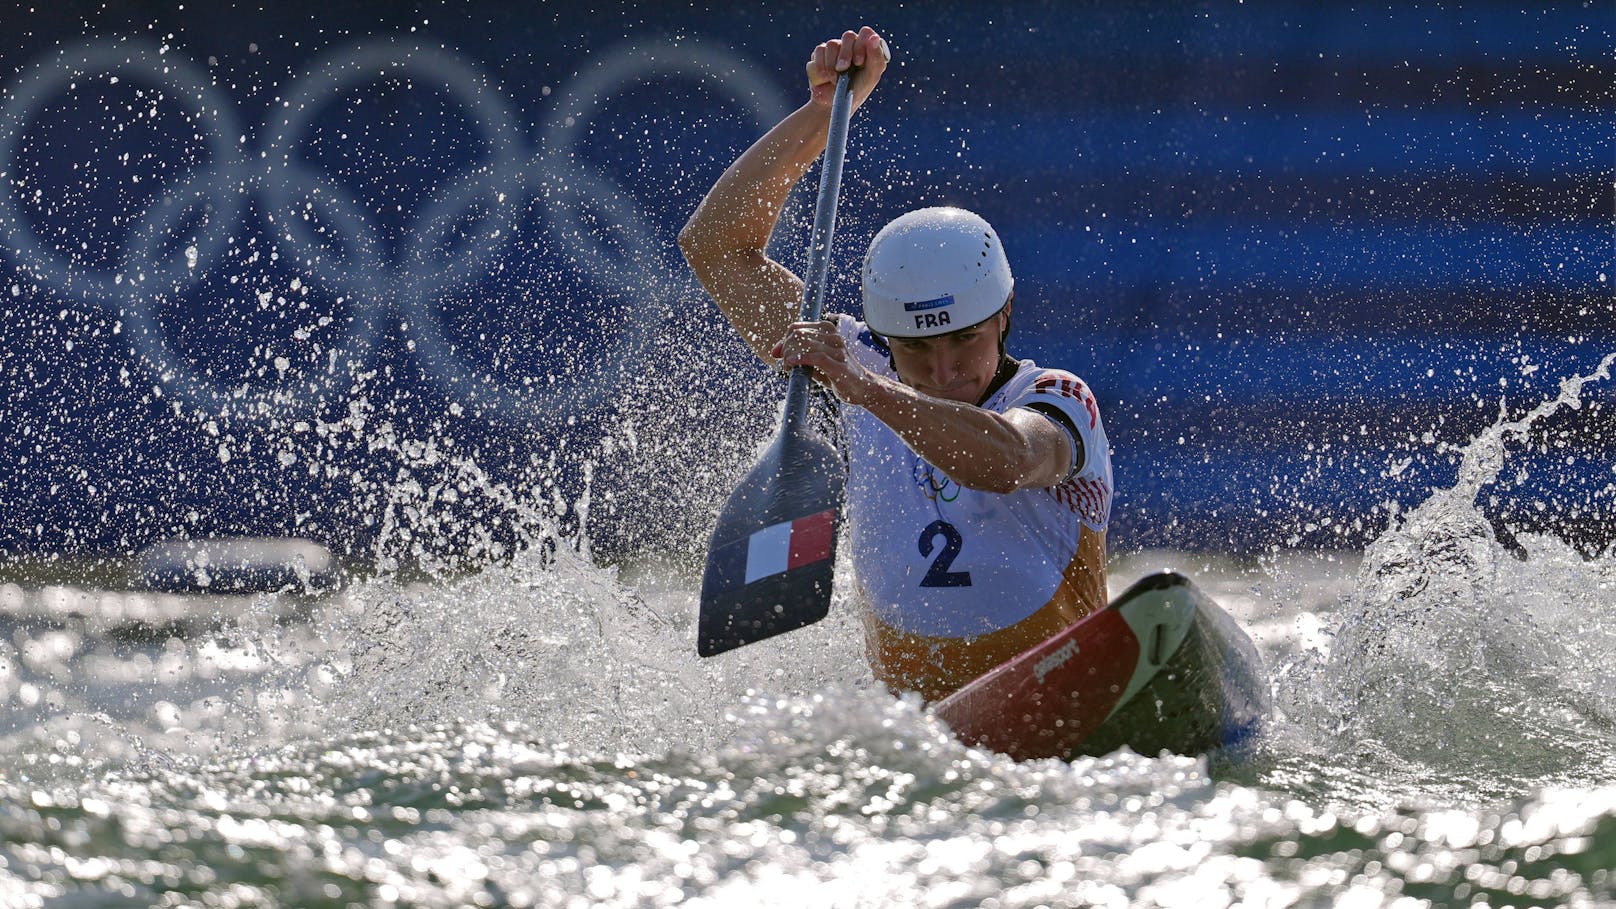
(934, 271)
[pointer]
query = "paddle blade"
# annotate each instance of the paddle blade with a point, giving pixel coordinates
(771, 559)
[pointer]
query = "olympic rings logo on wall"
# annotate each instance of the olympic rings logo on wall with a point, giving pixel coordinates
(332, 238)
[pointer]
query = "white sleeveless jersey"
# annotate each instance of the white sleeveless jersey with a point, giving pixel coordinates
(935, 559)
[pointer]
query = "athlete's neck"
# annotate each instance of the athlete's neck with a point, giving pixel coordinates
(1007, 370)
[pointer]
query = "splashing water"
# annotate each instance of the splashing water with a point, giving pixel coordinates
(1454, 654)
(540, 732)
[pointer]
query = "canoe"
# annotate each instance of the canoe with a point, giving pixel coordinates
(1162, 668)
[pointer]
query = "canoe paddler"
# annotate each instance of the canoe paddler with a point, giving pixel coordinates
(979, 485)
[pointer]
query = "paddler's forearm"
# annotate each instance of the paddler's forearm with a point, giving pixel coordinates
(725, 239)
(974, 447)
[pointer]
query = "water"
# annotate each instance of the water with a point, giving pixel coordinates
(238, 297)
(540, 733)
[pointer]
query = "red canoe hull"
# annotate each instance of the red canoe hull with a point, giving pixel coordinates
(1162, 668)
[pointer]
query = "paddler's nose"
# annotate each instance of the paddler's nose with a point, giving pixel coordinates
(938, 369)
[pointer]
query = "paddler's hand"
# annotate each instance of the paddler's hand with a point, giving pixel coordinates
(818, 346)
(863, 48)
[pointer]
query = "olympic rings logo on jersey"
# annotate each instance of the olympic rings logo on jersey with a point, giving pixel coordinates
(331, 236)
(926, 478)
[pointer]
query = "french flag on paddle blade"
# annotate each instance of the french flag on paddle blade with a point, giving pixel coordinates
(771, 551)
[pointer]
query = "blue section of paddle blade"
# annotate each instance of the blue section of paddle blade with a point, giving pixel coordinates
(726, 569)
(769, 606)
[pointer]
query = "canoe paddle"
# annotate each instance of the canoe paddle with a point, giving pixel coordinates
(770, 560)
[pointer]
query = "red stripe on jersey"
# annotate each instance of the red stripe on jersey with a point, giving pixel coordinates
(1089, 499)
(1064, 385)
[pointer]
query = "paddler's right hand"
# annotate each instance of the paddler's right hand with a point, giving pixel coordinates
(820, 347)
(863, 48)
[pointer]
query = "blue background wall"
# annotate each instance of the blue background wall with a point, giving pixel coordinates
(367, 273)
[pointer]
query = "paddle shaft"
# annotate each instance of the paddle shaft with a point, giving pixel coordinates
(830, 187)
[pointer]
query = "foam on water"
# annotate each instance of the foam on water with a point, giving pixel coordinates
(565, 648)
(540, 732)
(1456, 657)
(840, 799)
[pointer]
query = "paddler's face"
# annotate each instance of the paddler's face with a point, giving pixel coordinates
(957, 366)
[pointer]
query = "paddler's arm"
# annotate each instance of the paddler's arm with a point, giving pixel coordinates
(725, 239)
(975, 447)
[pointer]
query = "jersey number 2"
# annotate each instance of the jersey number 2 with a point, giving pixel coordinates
(939, 575)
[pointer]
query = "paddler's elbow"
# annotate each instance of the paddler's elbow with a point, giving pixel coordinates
(690, 243)
(706, 252)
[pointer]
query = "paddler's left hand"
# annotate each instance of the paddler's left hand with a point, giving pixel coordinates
(863, 49)
(818, 346)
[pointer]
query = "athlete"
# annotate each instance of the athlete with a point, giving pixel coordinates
(979, 486)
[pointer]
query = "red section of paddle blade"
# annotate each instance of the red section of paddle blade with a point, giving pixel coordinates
(1046, 701)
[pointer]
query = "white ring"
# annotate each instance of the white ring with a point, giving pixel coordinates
(547, 397)
(146, 289)
(635, 271)
(361, 65)
(138, 58)
(428, 264)
(352, 232)
(627, 67)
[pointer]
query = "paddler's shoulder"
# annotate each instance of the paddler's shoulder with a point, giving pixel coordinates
(1032, 379)
(1057, 381)
(1026, 373)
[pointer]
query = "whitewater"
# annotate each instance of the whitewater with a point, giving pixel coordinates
(538, 731)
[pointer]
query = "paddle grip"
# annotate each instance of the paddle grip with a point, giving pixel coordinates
(830, 187)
